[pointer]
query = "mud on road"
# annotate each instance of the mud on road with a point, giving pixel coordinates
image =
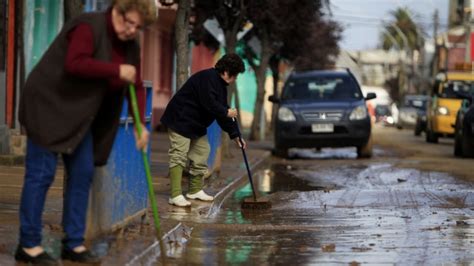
(413, 203)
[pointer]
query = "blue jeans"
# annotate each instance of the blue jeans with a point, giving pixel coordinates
(40, 168)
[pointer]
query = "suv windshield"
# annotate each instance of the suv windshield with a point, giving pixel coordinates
(451, 89)
(321, 88)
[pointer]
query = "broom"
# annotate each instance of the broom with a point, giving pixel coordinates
(151, 192)
(250, 203)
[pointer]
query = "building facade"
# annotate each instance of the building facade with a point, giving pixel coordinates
(456, 46)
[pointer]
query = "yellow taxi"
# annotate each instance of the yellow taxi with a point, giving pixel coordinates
(445, 103)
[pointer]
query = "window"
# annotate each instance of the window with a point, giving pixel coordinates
(451, 89)
(416, 102)
(321, 88)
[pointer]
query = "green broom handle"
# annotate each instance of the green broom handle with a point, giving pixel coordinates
(138, 127)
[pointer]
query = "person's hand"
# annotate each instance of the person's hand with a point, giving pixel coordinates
(128, 73)
(232, 113)
(240, 144)
(142, 141)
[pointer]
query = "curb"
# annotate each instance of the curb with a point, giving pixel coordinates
(150, 255)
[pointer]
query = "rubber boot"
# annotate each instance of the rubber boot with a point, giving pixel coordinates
(176, 174)
(195, 184)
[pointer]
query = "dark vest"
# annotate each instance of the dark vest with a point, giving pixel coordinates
(57, 109)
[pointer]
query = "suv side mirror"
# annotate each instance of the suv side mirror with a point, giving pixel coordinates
(273, 99)
(370, 96)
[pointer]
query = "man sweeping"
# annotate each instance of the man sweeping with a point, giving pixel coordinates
(201, 100)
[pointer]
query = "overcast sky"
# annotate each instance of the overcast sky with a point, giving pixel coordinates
(362, 19)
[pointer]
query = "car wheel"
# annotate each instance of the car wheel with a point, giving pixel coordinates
(418, 129)
(365, 151)
(457, 146)
(281, 152)
(467, 150)
(431, 137)
(457, 139)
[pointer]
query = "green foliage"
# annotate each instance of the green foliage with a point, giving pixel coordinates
(294, 30)
(391, 36)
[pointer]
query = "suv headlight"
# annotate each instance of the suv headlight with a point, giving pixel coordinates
(441, 110)
(359, 113)
(285, 114)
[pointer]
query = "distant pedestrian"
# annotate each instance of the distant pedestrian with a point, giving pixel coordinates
(71, 106)
(201, 100)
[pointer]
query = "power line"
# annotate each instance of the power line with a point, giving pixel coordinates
(417, 18)
(415, 15)
(375, 19)
(381, 22)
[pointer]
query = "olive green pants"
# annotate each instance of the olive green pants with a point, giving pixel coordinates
(181, 150)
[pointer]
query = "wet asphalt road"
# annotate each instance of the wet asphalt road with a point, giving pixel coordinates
(330, 208)
(411, 204)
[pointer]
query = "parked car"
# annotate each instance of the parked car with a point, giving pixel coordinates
(464, 128)
(412, 107)
(445, 103)
(322, 108)
(383, 115)
(420, 125)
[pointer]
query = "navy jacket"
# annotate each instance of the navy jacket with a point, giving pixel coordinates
(201, 100)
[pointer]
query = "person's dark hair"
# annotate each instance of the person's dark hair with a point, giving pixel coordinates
(231, 63)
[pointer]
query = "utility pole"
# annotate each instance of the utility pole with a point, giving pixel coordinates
(435, 23)
(438, 52)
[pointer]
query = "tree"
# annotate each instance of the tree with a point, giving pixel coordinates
(182, 42)
(231, 16)
(402, 31)
(402, 19)
(290, 29)
(267, 28)
(321, 46)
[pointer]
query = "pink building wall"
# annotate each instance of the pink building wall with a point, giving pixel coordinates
(157, 60)
(202, 58)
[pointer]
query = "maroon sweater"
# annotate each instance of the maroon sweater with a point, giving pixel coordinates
(80, 61)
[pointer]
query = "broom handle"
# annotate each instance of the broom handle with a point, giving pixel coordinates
(151, 193)
(245, 159)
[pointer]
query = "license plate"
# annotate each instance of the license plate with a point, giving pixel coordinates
(322, 128)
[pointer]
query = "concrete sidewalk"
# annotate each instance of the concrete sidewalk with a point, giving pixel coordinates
(112, 245)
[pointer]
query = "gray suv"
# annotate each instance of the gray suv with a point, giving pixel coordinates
(323, 108)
